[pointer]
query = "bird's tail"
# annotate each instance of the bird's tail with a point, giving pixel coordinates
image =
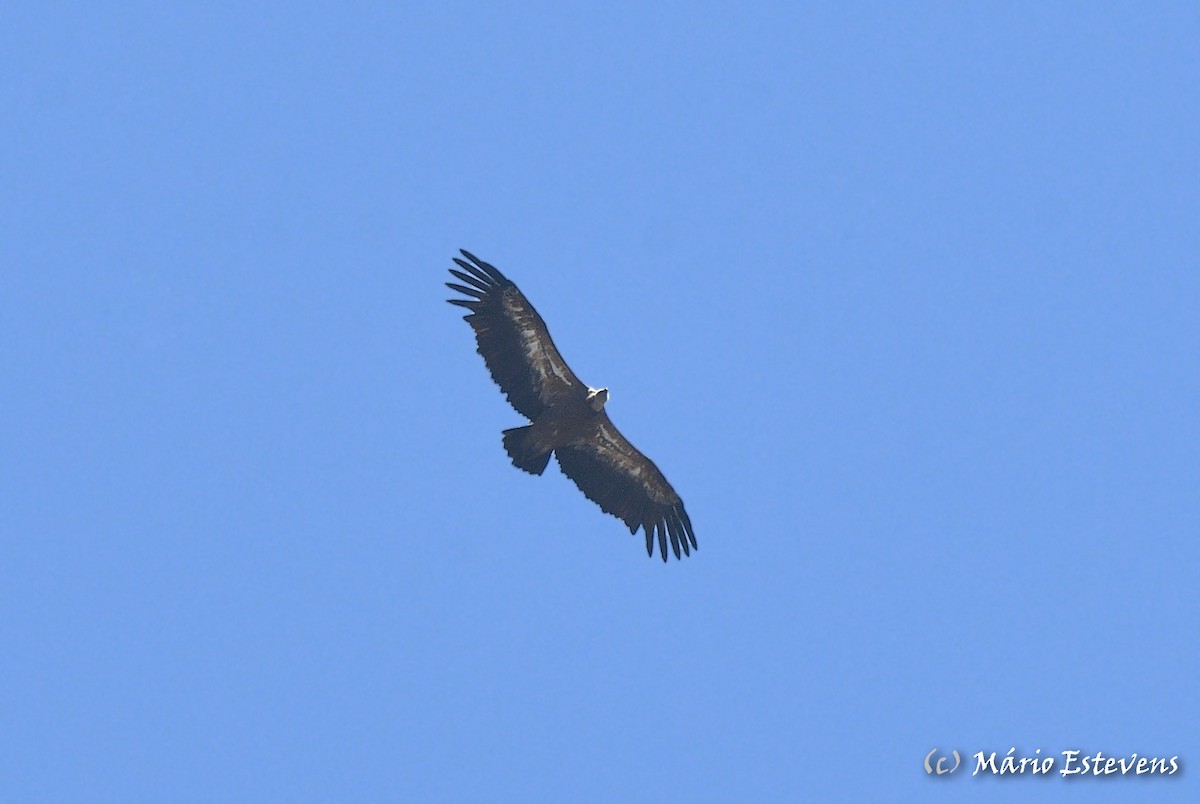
(524, 452)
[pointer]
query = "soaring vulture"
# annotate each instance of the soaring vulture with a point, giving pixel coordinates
(567, 416)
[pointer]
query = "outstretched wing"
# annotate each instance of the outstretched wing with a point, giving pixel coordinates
(513, 339)
(625, 483)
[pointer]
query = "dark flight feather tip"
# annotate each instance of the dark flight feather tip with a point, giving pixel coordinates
(674, 534)
(479, 275)
(470, 280)
(479, 294)
(487, 268)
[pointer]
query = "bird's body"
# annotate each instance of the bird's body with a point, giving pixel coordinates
(570, 420)
(567, 417)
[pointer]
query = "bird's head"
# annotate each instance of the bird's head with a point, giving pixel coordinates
(596, 397)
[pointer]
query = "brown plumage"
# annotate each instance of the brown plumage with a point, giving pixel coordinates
(567, 418)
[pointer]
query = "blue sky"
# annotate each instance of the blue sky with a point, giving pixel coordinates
(904, 299)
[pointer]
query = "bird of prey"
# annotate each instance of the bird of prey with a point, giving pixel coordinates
(567, 418)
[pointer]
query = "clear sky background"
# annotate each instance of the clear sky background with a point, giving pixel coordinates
(904, 299)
